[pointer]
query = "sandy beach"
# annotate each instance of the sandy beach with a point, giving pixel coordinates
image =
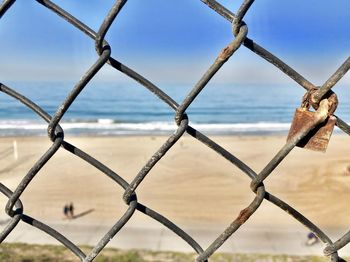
(191, 185)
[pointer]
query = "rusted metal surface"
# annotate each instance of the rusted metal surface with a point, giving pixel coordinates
(316, 139)
(307, 131)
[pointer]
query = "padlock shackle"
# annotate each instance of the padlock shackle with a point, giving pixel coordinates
(305, 102)
(308, 101)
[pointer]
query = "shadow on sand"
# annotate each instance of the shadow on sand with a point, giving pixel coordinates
(83, 213)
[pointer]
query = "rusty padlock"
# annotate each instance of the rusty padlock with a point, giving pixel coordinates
(318, 138)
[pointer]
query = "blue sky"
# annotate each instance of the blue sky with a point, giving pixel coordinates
(175, 41)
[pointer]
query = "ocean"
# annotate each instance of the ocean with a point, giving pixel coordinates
(130, 109)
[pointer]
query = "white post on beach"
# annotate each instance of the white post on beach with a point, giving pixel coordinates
(15, 152)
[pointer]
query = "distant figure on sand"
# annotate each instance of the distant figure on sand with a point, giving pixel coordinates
(311, 239)
(66, 210)
(71, 210)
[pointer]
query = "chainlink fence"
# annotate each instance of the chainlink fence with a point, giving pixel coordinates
(322, 98)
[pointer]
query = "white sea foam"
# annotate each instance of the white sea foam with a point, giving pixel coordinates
(110, 127)
(105, 121)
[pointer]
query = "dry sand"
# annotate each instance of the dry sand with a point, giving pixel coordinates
(191, 185)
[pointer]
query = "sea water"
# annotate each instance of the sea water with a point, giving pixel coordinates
(107, 108)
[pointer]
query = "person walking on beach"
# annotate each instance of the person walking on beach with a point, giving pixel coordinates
(66, 211)
(71, 210)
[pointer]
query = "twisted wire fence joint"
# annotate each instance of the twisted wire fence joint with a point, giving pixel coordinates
(318, 139)
(322, 98)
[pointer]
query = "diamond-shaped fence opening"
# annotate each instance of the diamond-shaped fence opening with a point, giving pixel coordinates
(322, 98)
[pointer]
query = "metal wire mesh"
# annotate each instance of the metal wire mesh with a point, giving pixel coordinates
(14, 207)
